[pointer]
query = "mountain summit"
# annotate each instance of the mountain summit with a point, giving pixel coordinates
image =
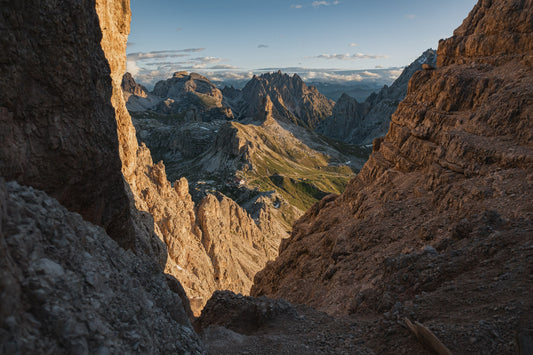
(293, 101)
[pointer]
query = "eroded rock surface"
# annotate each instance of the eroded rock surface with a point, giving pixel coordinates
(177, 221)
(439, 222)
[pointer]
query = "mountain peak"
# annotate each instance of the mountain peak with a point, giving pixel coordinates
(293, 101)
(180, 74)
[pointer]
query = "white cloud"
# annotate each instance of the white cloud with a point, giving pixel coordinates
(317, 4)
(379, 66)
(370, 74)
(296, 6)
(395, 73)
(207, 60)
(223, 66)
(174, 53)
(353, 44)
(132, 67)
(349, 57)
(219, 77)
(331, 76)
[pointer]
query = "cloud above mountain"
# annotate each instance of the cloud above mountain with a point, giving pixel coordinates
(349, 56)
(223, 66)
(173, 53)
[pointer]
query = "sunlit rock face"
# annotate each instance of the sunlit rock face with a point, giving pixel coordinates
(215, 245)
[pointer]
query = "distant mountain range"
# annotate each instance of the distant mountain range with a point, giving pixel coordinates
(357, 122)
(255, 145)
(266, 145)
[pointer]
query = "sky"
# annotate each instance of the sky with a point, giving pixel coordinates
(331, 40)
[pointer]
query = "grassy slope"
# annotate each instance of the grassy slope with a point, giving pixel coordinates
(283, 163)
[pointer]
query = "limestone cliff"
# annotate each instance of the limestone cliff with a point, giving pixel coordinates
(58, 133)
(438, 224)
(197, 236)
(212, 246)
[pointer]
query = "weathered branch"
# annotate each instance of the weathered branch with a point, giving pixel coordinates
(426, 337)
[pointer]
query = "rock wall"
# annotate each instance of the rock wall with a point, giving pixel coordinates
(66, 287)
(58, 131)
(438, 223)
(212, 246)
(494, 33)
(293, 101)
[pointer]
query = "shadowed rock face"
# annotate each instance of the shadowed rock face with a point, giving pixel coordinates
(443, 207)
(65, 285)
(58, 130)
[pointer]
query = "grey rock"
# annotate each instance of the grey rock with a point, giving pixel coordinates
(132, 310)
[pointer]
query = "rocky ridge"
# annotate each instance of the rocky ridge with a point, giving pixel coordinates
(137, 97)
(293, 101)
(187, 97)
(360, 123)
(437, 225)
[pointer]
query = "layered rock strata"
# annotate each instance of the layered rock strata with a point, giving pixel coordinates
(439, 222)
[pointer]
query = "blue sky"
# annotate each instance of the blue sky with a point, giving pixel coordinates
(334, 39)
